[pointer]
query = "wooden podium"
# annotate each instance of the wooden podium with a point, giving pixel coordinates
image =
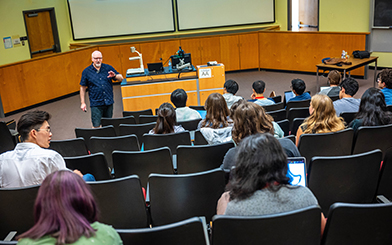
(149, 92)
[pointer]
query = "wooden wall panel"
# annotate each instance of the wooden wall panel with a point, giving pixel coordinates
(126, 64)
(77, 61)
(204, 95)
(12, 88)
(230, 52)
(192, 46)
(168, 48)
(249, 51)
(210, 50)
(111, 55)
(150, 52)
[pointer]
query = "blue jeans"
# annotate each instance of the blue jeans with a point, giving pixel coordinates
(97, 112)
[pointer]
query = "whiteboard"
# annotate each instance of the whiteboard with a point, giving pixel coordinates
(108, 18)
(198, 14)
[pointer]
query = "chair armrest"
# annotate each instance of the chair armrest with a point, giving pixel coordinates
(382, 199)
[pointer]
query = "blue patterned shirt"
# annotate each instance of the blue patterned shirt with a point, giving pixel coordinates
(99, 86)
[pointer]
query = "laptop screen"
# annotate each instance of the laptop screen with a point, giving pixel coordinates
(297, 170)
(155, 67)
(288, 95)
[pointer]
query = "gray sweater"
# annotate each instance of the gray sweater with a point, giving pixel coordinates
(265, 201)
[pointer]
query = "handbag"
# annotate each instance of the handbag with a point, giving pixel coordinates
(361, 54)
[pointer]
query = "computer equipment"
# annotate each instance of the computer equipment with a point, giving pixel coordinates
(297, 170)
(155, 67)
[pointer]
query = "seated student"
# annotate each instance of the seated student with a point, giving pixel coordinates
(372, 110)
(333, 80)
(346, 102)
(216, 127)
(250, 119)
(166, 122)
(298, 87)
(322, 118)
(258, 89)
(259, 184)
(183, 113)
(66, 213)
(29, 163)
(230, 88)
(385, 84)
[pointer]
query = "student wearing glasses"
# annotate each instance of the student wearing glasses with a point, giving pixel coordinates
(29, 163)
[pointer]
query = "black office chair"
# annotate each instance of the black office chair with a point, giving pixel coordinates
(298, 112)
(143, 119)
(117, 121)
(7, 142)
(199, 138)
(138, 130)
(348, 116)
(86, 133)
(285, 126)
(385, 183)
(94, 164)
(297, 104)
(191, 231)
(300, 226)
(296, 123)
(389, 108)
(351, 178)
(153, 141)
(109, 144)
(278, 115)
(177, 197)
(190, 125)
(277, 98)
(274, 107)
(368, 138)
(197, 107)
(121, 202)
(16, 209)
(143, 163)
(136, 114)
(359, 224)
(327, 144)
(192, 159)
(70, 147)
(334, 98)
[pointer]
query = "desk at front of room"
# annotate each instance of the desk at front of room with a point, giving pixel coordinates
(149, 91)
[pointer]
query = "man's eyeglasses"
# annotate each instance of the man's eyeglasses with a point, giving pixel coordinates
(46, 129)
(97, 58)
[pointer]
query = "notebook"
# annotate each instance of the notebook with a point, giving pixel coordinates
(297, 170)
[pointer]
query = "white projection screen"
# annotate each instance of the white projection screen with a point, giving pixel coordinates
(107, 18)
(198, 14)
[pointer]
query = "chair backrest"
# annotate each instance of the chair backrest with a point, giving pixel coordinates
(285, 126)
(348, 116)
(70, 147)
(94, 164)
(278, 115)
(385, 182)
(16, 209)
(328, 144)
(86, 133)
(197, 107)
(137, 129)
(296, 104)
(142, 163)
(199, 138)
(117, 121)
(191, 231)
(109, 144)
(373, 137)
(334, 98)
(121, 202)
(6, 141)
(274, 107)
(190, 125)
(296, 123)
(297, 112)
(192, 159)
(147, 119)
(184, 195)
(389, 108)
(153, 141)
(301, 226)
(136, 114)
(358, 224)
(351, 178)
(277, 98)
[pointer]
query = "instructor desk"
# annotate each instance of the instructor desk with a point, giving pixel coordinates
(149, 91)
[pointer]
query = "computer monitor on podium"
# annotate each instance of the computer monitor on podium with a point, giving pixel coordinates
(181, 63)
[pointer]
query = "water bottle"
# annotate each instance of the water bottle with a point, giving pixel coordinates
(170, 66)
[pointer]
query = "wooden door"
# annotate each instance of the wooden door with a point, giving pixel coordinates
(42, 32)
(249, 51)
(308, 15)
(230, 52)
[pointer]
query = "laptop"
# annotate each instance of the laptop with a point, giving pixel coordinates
(155, 67)
(288, 95)
(297, 170)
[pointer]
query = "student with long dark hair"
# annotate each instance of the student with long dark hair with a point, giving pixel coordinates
(166, 122)
(372, 110)
(66, 213)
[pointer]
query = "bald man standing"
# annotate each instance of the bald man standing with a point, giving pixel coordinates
(97, 80)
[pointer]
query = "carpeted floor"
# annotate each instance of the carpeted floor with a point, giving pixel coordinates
(66, 113)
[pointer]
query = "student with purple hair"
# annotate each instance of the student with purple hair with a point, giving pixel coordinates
(66, 213)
